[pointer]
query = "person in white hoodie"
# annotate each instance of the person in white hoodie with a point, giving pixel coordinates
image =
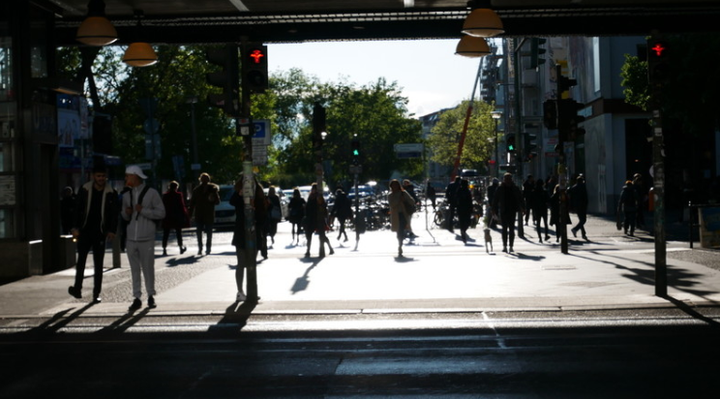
(141, 214)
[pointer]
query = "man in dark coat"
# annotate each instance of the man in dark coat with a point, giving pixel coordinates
(579, 200)
(96, 217)
(451, 197)
(508, 201)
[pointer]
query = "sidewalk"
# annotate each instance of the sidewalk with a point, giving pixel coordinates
(439, 274)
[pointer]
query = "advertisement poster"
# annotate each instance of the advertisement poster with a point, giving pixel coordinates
(709, 227)
(68, 127)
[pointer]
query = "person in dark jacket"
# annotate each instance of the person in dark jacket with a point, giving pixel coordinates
(628, 205)
(450, 196)
(508, 201)
(95, 222)
(342, 211)
(316, 221)
(296, 208)
(176, 216)
(202, 208)
(431, 194)
(274, 214)
(579, 201)
(555, 199)
(259, 203)
(539, 202)
(464, 208)
(527, 192)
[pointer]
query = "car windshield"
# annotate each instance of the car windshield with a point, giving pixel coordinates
(226, 193)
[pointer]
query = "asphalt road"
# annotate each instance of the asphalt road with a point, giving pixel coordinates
(472, 356)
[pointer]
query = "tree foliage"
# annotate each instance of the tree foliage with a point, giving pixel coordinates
(376, 112)
(479, 139)
(689, 97)
(634, 80)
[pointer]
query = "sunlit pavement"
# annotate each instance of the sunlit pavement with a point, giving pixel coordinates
(437, 273)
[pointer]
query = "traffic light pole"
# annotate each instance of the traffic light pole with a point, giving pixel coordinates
(251, 244)
(657, 71)
(518, 136)
(562, 169)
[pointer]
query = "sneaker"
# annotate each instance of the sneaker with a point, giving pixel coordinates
(151, 303)
(137, 304)
(182, 250)
(74, 292)
(97, 299)
(241, 297)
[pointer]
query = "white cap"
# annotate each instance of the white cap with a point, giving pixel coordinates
(135, 170)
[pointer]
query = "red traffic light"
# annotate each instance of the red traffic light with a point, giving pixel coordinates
(256, 56)
(492, 162)
(659, 48)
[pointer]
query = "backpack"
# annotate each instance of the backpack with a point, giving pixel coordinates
(158, 222)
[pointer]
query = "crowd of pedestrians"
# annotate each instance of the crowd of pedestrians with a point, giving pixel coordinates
(91, 216)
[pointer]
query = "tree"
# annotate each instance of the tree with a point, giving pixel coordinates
(634, 80)
(479, 140)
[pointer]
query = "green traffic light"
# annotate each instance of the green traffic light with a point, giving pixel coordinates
(356, 153)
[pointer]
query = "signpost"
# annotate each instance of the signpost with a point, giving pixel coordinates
(411, 150)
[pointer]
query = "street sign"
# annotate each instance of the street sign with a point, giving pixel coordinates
(262, 131)
(412, 147)
(405, 155)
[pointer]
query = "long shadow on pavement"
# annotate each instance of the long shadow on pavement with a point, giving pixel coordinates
(679, 278)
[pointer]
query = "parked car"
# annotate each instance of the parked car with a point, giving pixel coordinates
(224, 212)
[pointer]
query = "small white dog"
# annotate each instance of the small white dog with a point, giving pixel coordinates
(488, 241)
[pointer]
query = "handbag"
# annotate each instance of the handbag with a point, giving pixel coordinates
(275, 213)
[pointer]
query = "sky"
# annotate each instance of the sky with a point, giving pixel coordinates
(428, 72)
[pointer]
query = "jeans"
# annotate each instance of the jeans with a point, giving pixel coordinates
(97, 244)
(208, 229)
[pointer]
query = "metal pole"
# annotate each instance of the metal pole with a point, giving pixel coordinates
(193, 101)
(465, 125)
(518, 123)
(248, 193)
(497, 152)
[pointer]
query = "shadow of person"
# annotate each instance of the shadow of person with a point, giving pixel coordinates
(125, 321)
(60, 320)
(234, 319)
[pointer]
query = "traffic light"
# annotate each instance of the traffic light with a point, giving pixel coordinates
(355, 148)
(530, 146)
(510, 143)
(658, 57)
(537, 52)
(568, 119)
(550, 114)
(563, 82)
(255, 67)
(226, 79)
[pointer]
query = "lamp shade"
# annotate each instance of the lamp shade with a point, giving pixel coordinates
(140, 54)
(483, 22)
(471, 46)
(96, 31)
